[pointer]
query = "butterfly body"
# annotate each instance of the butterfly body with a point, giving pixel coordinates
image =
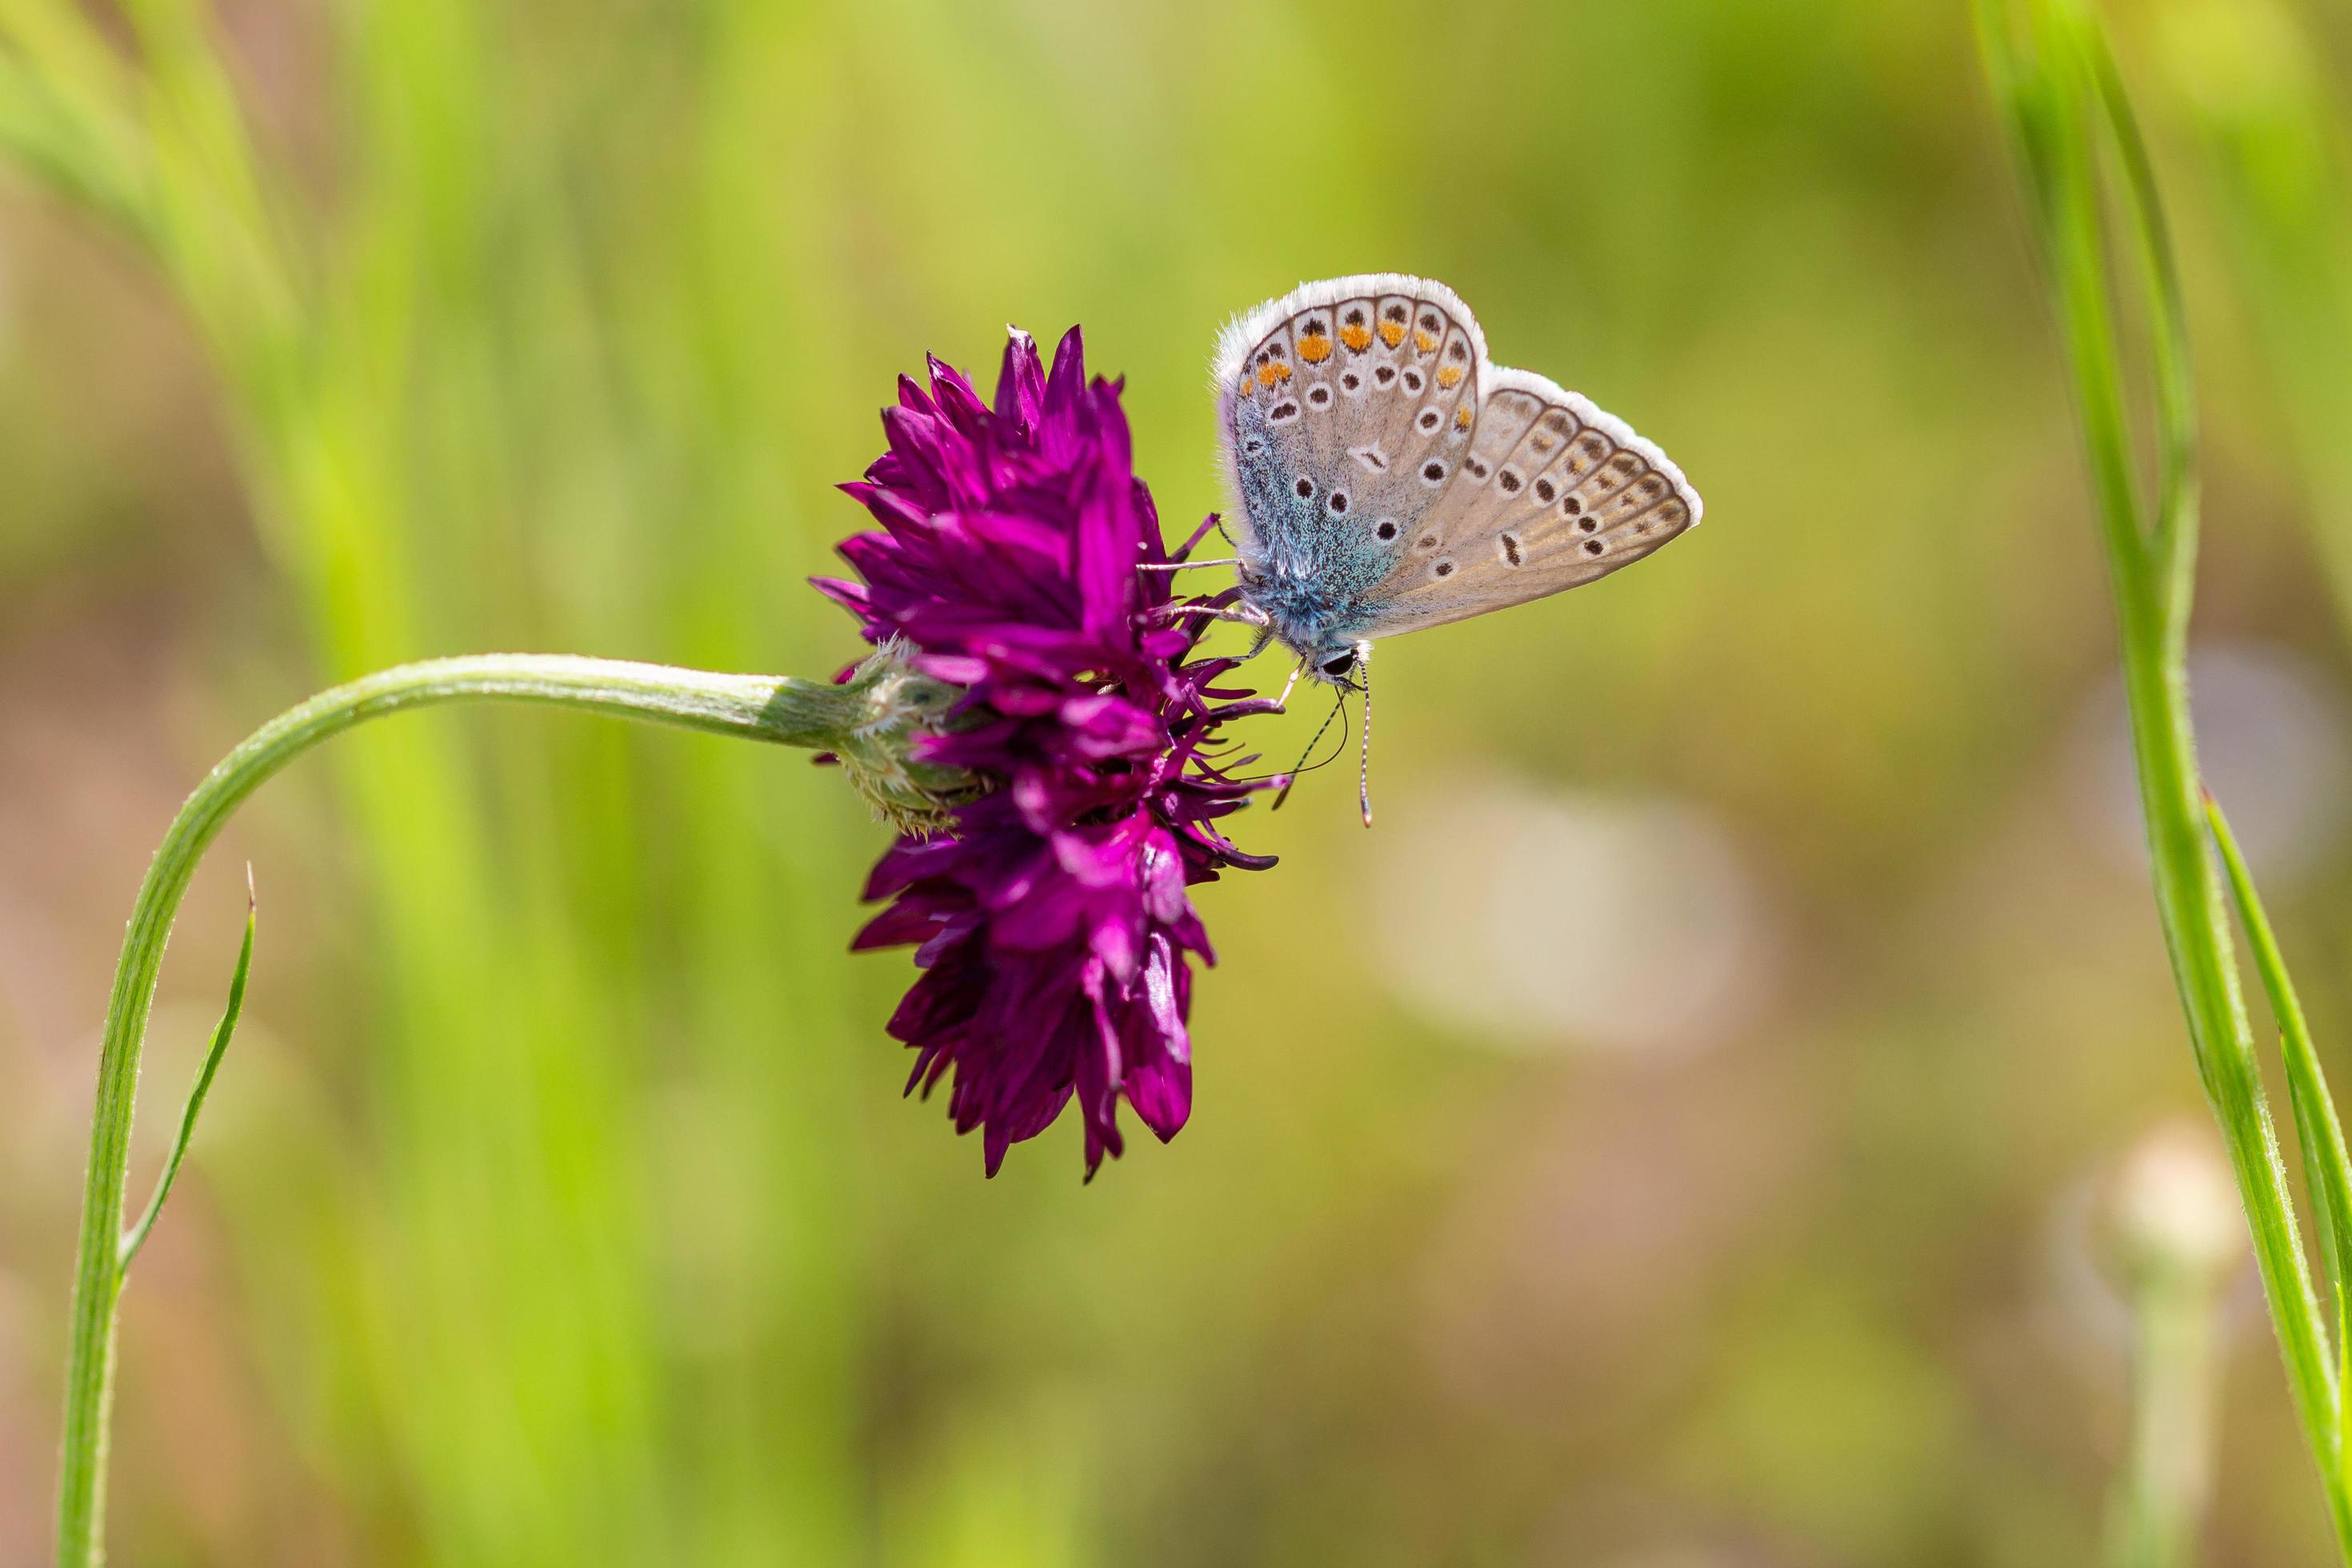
(1390, 477)
(1315, 584)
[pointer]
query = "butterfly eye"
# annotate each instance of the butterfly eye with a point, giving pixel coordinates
(1338, 665)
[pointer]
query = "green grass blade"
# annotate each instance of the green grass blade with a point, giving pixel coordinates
(2070, 121)
(2326, 1165)
(2174, 540)
(2038, 71)
(137, 1235)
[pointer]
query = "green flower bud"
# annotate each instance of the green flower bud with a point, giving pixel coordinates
(895, 707)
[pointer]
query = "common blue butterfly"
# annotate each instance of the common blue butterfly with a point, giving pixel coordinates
(1390, 477)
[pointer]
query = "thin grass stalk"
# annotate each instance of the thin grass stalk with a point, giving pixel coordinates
(2069, 118)
(2175, 1381)
(2278, 167)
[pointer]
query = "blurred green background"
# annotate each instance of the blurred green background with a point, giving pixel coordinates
(1673, 1138)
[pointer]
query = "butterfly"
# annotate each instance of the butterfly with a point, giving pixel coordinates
(1390, 476)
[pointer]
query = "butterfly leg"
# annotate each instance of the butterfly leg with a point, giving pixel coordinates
(1248, 615)
(1282, 701)
(1186, 565)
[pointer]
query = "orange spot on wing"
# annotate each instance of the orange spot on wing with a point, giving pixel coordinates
(1391, 333)
(1425, 342)
(1450, 376)
(1314, 347)
(1462, 418)
(1356, 338)
(1267, 375)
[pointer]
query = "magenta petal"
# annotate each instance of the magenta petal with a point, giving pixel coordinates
(1021, 383)
(1162, 1094)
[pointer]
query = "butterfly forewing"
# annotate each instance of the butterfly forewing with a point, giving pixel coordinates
(1340, 399)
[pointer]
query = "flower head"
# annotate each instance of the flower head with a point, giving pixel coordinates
(1050, 919)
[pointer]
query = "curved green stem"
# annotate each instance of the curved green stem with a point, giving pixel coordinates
(858, 718)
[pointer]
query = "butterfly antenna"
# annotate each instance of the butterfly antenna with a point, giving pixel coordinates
(1364, 775)
(1302, 769)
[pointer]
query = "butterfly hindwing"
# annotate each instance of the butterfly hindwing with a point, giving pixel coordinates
(1550, 494)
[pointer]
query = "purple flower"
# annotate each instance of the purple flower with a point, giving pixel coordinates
(1051, 922)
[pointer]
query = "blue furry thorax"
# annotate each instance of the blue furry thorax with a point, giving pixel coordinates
(1307, 610)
